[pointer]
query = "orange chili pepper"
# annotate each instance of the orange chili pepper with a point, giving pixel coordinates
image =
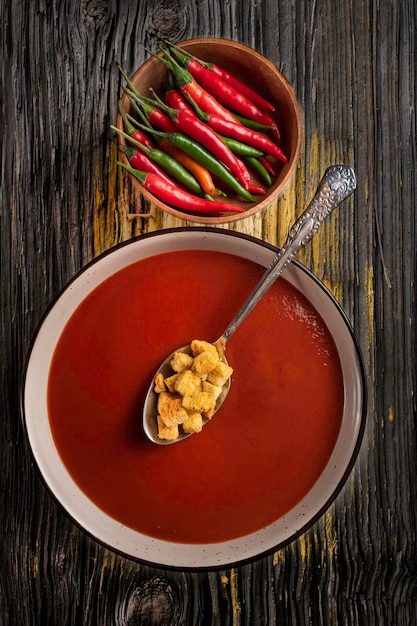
(200, 172)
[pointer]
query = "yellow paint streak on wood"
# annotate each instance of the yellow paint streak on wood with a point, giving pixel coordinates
(335, 287)
(109, 561)
(322, 255)
(234, 596)
(330, 532)
(112, 222)
(287, 211)
(391, 414)
(277, 556)
(305, 549)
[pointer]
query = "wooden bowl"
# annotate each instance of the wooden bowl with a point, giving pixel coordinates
(262, 75)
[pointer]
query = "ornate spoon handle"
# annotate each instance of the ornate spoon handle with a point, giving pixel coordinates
(337, 184)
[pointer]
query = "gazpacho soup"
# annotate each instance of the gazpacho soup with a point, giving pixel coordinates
(261, 452)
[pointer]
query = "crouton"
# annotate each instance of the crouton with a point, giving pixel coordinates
(190, 394)
(220, 374)
(198, 401)
(205, 362)
(212, 390)
(159, 383)
(170, 408)
(209, 414)
(181, 361)
(167, 432)
(193, 423)
(170, 382)
(187, 382)
(198, 347)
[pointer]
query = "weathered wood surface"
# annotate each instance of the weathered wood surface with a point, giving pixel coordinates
(63, 202)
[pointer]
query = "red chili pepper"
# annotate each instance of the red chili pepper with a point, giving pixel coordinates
(140, 161)
(256, 189)
(268, 166)
(139, 136)
(187, 84)
(229, 96)
(254, 96)
(206, 158)
(135, 133)
(189, 124)
(225, 93)
(237, 131)
(152, 113)
(170, 165)
(175, 100)
(174, 195)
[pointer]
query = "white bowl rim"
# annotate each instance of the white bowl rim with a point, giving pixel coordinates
(193, 557)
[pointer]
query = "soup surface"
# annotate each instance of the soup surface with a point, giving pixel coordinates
(261, 452)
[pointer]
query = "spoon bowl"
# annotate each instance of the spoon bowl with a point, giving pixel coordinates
(337, 184)
(150, 407)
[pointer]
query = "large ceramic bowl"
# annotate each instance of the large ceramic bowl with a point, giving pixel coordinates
(210, 501)
(259, 73)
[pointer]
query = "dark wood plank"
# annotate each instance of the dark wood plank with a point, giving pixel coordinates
(63, 202)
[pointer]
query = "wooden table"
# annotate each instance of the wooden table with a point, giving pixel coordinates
(353, 67)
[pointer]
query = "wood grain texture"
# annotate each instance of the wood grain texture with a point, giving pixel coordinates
(63, 202)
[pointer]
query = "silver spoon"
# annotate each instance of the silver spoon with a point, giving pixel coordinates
(337, 184)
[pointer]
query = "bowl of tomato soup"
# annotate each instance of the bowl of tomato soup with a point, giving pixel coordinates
(273, 457)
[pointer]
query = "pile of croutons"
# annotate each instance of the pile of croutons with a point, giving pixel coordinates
(188, 397)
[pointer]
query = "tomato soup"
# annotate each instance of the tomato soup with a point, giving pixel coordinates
(262, 451)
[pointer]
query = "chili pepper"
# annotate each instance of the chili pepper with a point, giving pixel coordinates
(216, 167)
(200, 172)
(187, 84)
(189, 124)
(174, 195)
(268, 166)
(260, 169)
(168, 164)
(252, 123)
(175, 99)
(135, 133)
(152, 113)
(257, 189)
(140, 161)
(254, 96)
(240, 133)
(239, 148)
(225, 93)
(206, 158)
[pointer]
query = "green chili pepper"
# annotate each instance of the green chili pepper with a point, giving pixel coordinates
(260, 169)
(252, 123)
(241, 149)
(206, 158)
(168, 164)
